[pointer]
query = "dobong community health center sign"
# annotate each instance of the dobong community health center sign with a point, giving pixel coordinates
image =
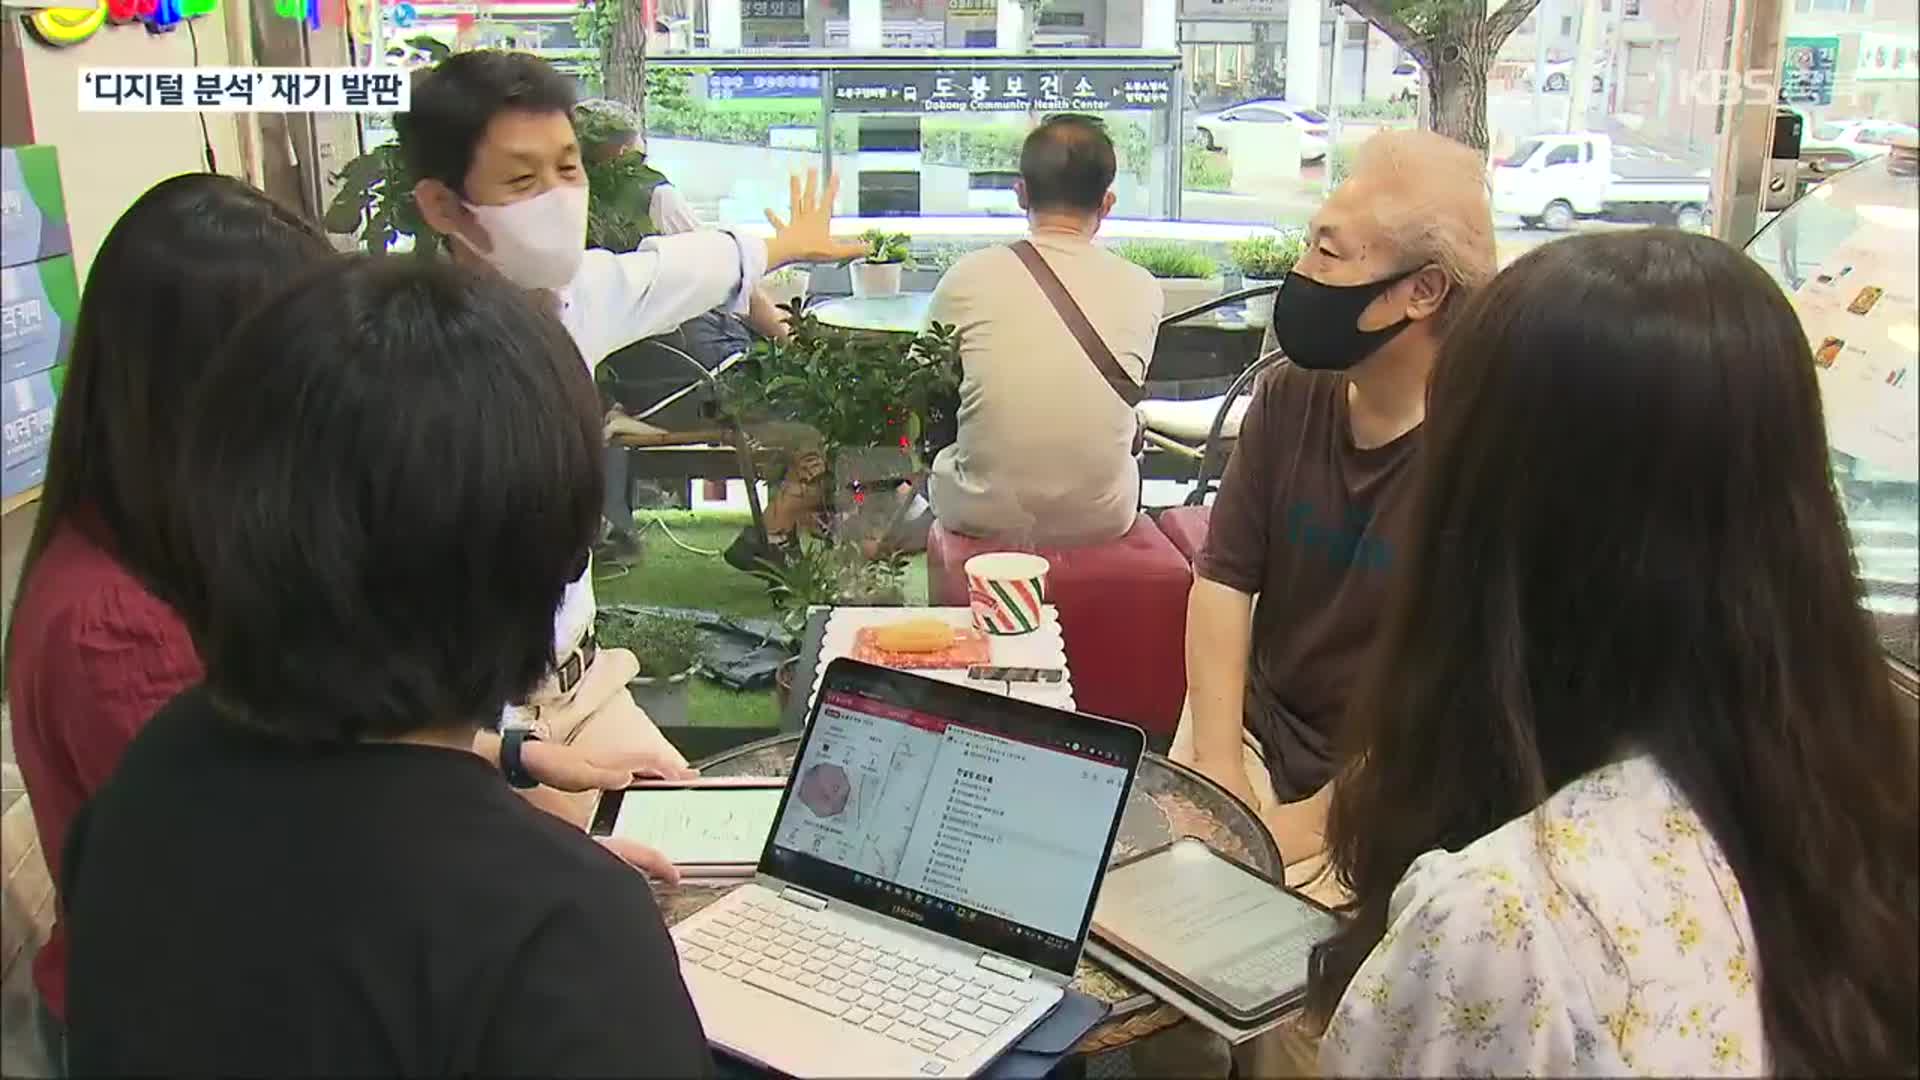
(977, 89)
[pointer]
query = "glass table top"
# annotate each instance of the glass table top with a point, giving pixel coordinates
(903, 313)
(1844, 254)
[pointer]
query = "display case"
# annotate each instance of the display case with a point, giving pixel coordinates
(1846, 254)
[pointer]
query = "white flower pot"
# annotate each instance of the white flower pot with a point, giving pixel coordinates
(876, 279)
(1184, 293)
(1259, 308)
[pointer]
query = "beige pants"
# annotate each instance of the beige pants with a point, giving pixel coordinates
(600, 718)
(1299, 828)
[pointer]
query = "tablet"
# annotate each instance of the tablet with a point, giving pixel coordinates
(1216, 931)
(699, 823)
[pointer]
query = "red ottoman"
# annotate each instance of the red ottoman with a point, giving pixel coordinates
(1123, 615)
(1186, 526)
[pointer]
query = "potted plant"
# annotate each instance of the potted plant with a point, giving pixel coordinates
(873, 406)
(668, 648)
(1265, 260)
(1188, 276)
(879, 273)
(824, 572)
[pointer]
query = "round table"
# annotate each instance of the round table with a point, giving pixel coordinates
(1168, 801)
(904, 313)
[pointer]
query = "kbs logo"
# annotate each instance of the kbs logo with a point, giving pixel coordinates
(1721, 87)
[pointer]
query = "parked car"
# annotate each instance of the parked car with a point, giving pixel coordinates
(1405, 81)
(1560, 76)
(1311, 124)
(1555, 180)
(1855, 140)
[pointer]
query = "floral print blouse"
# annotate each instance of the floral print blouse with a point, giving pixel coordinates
(1602, 934)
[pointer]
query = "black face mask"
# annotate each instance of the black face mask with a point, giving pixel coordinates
(1315, 323)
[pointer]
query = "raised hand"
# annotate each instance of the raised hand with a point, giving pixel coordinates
(807, 236)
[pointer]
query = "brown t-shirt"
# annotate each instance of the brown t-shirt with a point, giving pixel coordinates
(1312, 524)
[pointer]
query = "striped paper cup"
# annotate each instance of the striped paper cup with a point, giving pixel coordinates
(1005, 590)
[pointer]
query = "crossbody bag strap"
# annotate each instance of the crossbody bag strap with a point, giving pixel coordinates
(1083, 332)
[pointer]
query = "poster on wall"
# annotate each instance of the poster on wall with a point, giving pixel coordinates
(1806, 76)
(1888, 56)
(1863, 321)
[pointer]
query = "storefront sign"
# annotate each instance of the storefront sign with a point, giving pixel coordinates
(894, 33)
(1806, 78)
(999, 90)
(972, 7)
(1888, 56)
(726, 83)
(773, 9)
(1255, 10)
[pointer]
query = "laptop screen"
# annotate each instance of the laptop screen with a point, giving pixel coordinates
(984, 818)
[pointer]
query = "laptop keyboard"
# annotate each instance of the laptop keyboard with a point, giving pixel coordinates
(937, 1008)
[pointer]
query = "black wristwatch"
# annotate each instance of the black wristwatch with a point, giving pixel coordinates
(515, 734)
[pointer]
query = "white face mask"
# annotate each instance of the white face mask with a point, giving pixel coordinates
(537, 243)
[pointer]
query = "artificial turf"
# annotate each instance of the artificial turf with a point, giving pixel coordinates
(668, 575)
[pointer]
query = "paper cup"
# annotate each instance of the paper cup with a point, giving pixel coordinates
(1005, 590)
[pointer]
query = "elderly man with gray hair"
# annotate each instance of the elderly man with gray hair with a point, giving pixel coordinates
(1309, 520)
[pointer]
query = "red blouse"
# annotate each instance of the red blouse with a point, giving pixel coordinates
(94, 656)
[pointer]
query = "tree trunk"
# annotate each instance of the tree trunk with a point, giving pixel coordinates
(623, 60)
(1455, 58)
(1457, 91)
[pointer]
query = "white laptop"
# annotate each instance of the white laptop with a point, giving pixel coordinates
(925, 892)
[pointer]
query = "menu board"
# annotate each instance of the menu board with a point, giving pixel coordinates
(1861, 317)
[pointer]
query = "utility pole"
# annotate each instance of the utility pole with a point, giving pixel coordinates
(1580, 82)
(1540, 16)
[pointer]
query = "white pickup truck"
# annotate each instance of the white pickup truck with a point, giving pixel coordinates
(1554, 180)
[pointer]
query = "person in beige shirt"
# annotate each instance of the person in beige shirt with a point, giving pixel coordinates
(1045, 447)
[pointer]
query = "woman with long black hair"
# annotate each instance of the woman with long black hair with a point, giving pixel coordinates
(94, 646)
(1631, 793)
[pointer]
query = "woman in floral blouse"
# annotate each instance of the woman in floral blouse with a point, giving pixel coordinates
(1630, 795)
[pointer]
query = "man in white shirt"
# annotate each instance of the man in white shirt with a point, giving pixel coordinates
(1045, 448)
(490, 139)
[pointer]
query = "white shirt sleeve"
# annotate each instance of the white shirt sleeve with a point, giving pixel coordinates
(671, 212)
(616, 300)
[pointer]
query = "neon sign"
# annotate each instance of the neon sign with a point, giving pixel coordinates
(65, 27)
(299, 9)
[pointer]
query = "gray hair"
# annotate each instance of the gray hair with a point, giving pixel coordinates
(1435, 207)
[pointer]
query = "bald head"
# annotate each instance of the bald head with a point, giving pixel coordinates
(1411, 199)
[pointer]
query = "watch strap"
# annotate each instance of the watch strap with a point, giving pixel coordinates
(513, 738)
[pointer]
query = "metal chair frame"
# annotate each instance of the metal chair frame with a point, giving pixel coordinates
(731, 431)
(1211, 458)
